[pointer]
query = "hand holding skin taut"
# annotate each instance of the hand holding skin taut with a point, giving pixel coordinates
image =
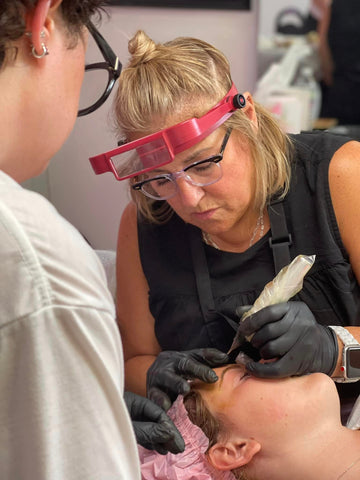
(167, 376)
(154, 430)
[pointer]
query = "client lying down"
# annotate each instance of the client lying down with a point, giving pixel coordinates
(256, 429)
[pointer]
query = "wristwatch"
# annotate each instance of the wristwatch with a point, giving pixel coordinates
(351, 356)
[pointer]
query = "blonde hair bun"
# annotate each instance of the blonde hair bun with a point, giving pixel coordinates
(142, 49)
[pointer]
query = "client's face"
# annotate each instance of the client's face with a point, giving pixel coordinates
(252, 405)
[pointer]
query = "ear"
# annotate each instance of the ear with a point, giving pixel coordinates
(38, 21)
(249, 109)
(233, 454)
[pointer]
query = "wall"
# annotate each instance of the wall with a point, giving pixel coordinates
(269, 9)
(94, 203)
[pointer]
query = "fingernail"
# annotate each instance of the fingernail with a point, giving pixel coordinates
(213, 377)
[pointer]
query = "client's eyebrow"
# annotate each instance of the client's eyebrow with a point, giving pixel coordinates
(230, 367)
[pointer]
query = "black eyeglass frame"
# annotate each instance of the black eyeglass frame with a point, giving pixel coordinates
(112, 64)
(214, 159)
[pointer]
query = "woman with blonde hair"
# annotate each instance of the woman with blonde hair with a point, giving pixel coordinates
(222, 200)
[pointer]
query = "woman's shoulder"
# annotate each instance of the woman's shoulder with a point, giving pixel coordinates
(319, 156)
(314, 152)
(344, 179)
(346, 160)
(318, 144)
(339, 151)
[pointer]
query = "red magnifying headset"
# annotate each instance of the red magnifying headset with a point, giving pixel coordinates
(160, 148)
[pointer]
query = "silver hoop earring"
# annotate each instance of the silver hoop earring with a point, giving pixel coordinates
(44, 52)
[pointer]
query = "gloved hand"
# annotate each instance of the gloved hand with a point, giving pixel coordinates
(166, 377)
(289, 334)
(154, 430)
(242, 309)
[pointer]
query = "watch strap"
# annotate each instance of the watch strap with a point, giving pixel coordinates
(347, 340)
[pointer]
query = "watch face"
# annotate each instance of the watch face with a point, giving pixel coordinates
(353, 362)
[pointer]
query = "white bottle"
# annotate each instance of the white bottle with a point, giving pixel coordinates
(306, 80)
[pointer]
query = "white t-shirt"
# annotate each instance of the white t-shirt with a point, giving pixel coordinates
(62, 414)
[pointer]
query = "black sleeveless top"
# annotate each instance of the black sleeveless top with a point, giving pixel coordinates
(176, 262)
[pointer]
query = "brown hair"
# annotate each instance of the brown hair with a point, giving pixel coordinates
(184, 78)
(75, 13)
(215, 427)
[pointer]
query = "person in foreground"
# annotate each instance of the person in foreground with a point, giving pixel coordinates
(62, 411)
(222, 200)
(257, 429)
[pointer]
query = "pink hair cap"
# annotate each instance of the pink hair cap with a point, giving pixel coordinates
(192, 464)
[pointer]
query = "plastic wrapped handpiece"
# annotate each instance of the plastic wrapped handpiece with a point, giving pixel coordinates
(287, 283)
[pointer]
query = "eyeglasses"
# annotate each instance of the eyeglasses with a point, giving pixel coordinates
(155, 150)
(202, 173)
(100, 77)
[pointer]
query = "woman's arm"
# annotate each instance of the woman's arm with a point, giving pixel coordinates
(135, 320)
(344, 180)
(170, 369)
(289, 330)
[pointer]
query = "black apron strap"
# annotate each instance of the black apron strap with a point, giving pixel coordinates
(280, 239)
(201, 271)
(202, 277)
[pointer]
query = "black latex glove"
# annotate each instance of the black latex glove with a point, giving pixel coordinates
(166, 377)
(242, 309)
(154, 430)
(289, 333)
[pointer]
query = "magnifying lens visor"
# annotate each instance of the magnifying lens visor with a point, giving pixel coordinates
(153, 151)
